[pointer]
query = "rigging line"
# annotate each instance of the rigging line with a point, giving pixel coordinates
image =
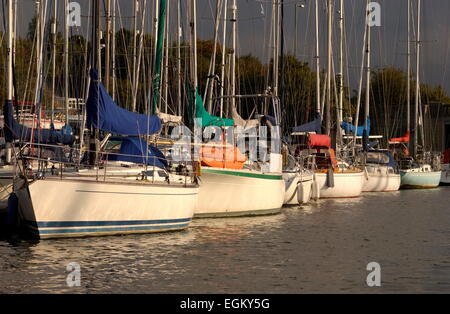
(126, 54)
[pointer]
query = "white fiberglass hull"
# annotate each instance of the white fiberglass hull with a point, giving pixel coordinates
(292, 181)
(381, 178)
(445, 176)
(227, 192)
(346, 184)
(54, 208)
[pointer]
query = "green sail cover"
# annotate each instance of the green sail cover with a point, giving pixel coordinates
(201, 113)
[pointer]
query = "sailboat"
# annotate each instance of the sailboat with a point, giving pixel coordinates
(297, 173)
(332, 178)
(380, 169)
(127, 188)
(231, 185)
(416, 171)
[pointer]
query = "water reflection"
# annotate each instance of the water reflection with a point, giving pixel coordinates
(320, 247)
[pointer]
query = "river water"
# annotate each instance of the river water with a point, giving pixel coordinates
(323, 247)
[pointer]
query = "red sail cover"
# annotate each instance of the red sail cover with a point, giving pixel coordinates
(446, 159)
(404, 139)
(318, 140)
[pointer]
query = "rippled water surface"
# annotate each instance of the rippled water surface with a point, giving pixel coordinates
(322, 247)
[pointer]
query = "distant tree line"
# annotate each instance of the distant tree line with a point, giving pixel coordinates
(388, 87)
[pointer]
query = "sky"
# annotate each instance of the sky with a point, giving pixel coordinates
(389, 41)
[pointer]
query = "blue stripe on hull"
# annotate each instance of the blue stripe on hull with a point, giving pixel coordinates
(64, 224)
(71, 229)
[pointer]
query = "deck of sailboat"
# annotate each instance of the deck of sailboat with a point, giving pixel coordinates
(122, 175)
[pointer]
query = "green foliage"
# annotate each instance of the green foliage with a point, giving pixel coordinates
(298, 85)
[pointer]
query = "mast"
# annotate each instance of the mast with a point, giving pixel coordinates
(341, 74)
(108, 44)
(275, 46)
(134, 78)
(224, 49)
(141, 45)
(193, 53)
(54, 26)
(329, 64)
(212, 66)
(193, 23)
(9, 64)
(96, 64)
(66, 61)
(281, 42)
(113, 50)
(408, 82)
(179, 56)
(38, 42)
(158, 56)
(233, 54)
(166, 61)
(416, 109)
(318, 103)
(368, 72)
(361, 76)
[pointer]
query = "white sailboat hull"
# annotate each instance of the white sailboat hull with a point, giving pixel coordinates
(227, 192)
(53, 208)
(380, 178)
(346, 185)
(292, 181)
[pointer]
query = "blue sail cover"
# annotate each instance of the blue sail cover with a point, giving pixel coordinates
(313, 126)
(15, 130)
(390, 158)
(104, 114)
(350, 128)
(133, 150)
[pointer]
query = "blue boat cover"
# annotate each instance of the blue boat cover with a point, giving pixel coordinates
(271, 119)
(133, 150)
(313, 126)
(15, 131)
(350, 128)
(104, 114)
(390, 163)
